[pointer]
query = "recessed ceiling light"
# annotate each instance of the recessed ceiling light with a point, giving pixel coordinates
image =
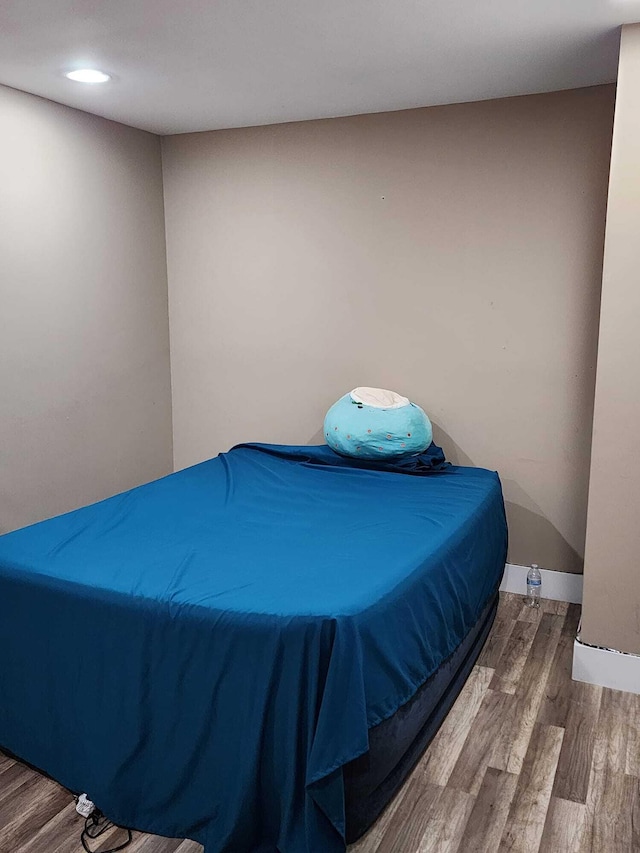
(88, 75)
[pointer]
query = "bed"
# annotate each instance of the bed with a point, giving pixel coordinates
(254, 651)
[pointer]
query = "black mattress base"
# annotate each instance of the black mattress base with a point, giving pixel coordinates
(397, 743)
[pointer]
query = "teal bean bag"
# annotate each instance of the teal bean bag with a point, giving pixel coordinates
(372, 423)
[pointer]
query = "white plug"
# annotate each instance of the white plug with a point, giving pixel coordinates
(84, 806)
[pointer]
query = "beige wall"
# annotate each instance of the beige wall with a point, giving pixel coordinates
(85, 404)
(611, 609)
(452, 253)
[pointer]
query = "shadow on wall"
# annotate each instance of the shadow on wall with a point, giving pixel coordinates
(454, 453)
(532, 537)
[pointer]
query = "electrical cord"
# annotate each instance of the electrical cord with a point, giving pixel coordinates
(95, 826)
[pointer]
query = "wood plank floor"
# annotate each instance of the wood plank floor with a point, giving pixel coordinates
(528, 760)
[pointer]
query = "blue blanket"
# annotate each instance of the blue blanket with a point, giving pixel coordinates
(204, 653)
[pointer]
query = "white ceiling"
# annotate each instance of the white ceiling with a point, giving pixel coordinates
(184, 65)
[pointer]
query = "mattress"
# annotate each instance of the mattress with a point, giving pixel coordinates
(206, 653)
(397, 743)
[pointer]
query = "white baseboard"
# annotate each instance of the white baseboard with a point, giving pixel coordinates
(560, 586)
(606, 667)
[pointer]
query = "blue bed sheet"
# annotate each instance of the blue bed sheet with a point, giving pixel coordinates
(204, 653)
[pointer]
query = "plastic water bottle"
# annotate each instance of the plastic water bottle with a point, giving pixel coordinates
(534, 586)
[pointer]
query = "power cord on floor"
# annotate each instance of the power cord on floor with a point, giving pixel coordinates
(95, 826)
(95, 823)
